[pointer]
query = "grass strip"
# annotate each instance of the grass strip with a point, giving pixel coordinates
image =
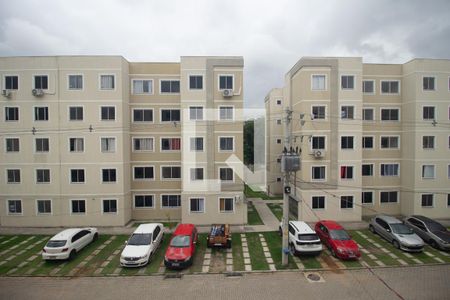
(274, 244)
(253, 217)
(258, 260)
(238, 256)
(249, 193)
(277, 210)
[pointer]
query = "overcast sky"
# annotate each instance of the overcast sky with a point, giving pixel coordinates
(271, 35)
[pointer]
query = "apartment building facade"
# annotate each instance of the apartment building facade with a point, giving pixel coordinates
(374, 138)
(98, 140)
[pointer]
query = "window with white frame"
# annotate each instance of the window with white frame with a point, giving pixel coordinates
(75, 82)
(77, 176)
(143, 144)
(76, 113)
(347, 112)
(278, 179)
(226, 174)
(110, 206)
(278, 102)
(171, 172)
(346, 172)
(367, 197)
(78, 206)
(368, 114)
(11, 82)
(428, 113)
(43, 176)
(143, 173)
(318, 172)
(427, 200)
(41, 82)
(390, 114)
(170, 201)
(196, 144)
(347, 82)
(170, 115)
(142, 115)
(142, 86)
(197, 205)
(41, 113)
(346, 142)
(427, 171)
(346, 202)
(318, 83)
(44, 207)
(225, 82)
(226, 113)
(109, 175)
(428, 83)
(14, 207)
(318, 112)
(226, 143)
(108, 144)
(170, 144)
(448, 171)
(428, 142)
(107, 82)
(196, 173)
(144, 201)
(278, 141)
(367, 169)
(318, 202)
(389, 142)
(278, 121)
(389, 169)
(226, 205)
(196, 113)
(108, 113)
(13, 175)
(368, 86)
(390, 87)
(170, 86)
(76, 144)
(12, 145)
(367, 142)
(42, 145)
(195, 82)
(11, 114)
(318, 142)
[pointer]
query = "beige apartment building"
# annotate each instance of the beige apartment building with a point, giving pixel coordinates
(374, 138)
(98, 140)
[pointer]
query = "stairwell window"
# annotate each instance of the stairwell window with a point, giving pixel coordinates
(226, 174)
(390, 87)
(196, 113)
(389, 169)
(142, 86)
(196, 174)
(368, 87)
(226, 82)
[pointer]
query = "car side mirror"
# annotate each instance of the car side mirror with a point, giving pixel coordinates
(126, 242)
(388, 230)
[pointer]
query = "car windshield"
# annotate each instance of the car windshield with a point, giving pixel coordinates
(140, 239)
(339, 234)
(56, 244)
(436, 227)
(308, 237)
(401, 229)
(180, 241)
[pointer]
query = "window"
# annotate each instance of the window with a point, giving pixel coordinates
(42, 145)
(226, 174)
(318, 112)
(318, 83)
(226, 205)
(41, 113)
(142, 173)
(278, 121)
(41, 82)
(346, 142)
(278, 102)
(389, 142)
(367, 142)
(368, 114)
(43, 176)
(368, 86)
(428, 113)
(110, 206)
(171, 172)
(170, 86)
(170, 144)
(427, 171)
(170, 115)
(15, 207)
(197, 205)
(346, 172)
(196, 144)
(195, 82)
(448, 199)
(427, 200)
(12, 145)
(142, 115)
(108, 113)
(107, 82)
(428, 142)
(318, 172)
(278, 179)
(347, 82)
(448, 171)
(78, 206)
(225, 82)
(389, 169)
(76, 144)
(11, 82)
(108, 144)
(226, 113)
(318, 202)
(143, 201)
(77, 176)
(108, 175)
(346, 202)
(196, 113)
(318, 142)
(367, 170)
(428, 84)
(143, 144)
(390, 87)
(75, 82)
(76, 113)
(11, 114)
(44, 207)
(347, 112)
(367, 197)
(141, 86)
(196, 173)
(278, 141)
(390, 114)
(13, 175)
(170, 201)
(226, 143)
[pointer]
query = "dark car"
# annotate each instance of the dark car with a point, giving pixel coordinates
(430, 231)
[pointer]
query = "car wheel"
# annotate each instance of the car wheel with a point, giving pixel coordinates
(280, 231)
(434, 244)
(95, 237)
(292, 249)
(228, 244)
(333, 253)
(72, 254)
(396, 244)
(372, 229)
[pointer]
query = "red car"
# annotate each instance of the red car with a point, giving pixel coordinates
(180, 252)
(337, 240)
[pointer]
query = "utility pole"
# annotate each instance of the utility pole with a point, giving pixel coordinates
(286, 187)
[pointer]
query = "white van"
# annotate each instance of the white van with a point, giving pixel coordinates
(302, 239)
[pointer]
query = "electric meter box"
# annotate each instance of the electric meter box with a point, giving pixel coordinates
(290, 163)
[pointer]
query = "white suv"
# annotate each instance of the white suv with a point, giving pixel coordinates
(302, 239)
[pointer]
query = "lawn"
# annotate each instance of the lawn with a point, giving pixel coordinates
(249, 193)
(273, 240)
(238, 256)
(253, 217)
(257, 258)
(277, 210)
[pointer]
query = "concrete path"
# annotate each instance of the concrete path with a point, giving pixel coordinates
(266, 214)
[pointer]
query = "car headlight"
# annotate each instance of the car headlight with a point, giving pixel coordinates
(341, 250)
(187, 258)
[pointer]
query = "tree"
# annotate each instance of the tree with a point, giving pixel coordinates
(248, 142)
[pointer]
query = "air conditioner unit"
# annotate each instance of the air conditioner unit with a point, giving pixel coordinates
(6, 93)
(37, 92)
(318, 153)
(227, 93)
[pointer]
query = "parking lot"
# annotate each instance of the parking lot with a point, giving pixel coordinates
(20, 256)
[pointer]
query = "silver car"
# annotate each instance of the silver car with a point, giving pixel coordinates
(397, 233)
(430, 231)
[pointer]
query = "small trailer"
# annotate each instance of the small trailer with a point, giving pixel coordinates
(219, 236)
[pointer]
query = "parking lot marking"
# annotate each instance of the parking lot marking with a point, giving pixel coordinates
(9, 240)
(229, 268)
(392, 255)
(439, 259)
(380, 263)
(364, 250)
(385, 250)
(428, 253)
(372, 257)
(322, 262)
(207, 256)
(408, 255)
(246, 255)
(248, 267)
(417, 261)
(298, 262)
(370, 240)
(141, 271)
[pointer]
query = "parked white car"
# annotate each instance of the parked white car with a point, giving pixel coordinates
(67, 243)
(303, 239)
(144, 242)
